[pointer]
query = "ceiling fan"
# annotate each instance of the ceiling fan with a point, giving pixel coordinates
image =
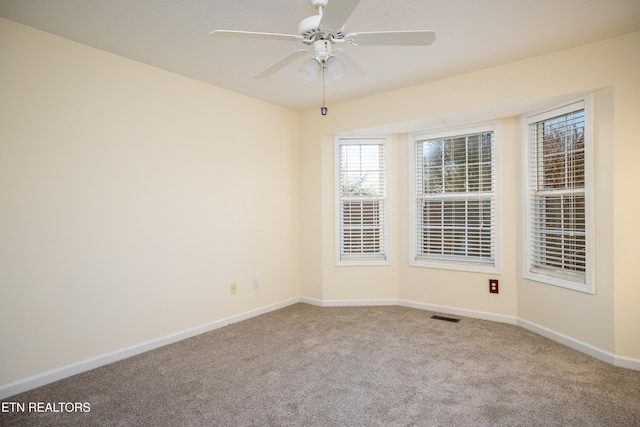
(324, 30)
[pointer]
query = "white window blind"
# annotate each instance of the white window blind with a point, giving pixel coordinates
(362, 204)
(557, 196)
(455, 198)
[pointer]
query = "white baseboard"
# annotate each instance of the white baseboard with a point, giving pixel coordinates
(459, 312)
(311, 301)
(598, 353)
(568, 341)
(348, 303)
(86, 365)
(96, 362)
(626, 362)
(412, 304)
(615, 360)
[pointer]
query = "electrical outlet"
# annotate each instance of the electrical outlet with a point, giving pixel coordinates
(493, 286)
(233, 288)
(256, 283)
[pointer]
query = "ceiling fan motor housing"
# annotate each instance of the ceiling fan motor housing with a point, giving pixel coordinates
(308, 27)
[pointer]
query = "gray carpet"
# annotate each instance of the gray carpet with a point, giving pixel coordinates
(349, 366)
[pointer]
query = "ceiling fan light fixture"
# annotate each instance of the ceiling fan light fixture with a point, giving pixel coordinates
(310, 70)
(336, 68)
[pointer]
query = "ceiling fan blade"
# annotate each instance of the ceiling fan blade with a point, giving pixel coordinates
(253, 35)
(353, 69)
(392, 38)
(336, 13)
(281, 64)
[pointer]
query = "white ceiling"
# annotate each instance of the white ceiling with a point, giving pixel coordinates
(471, 35)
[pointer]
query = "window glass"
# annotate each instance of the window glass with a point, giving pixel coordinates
(454, 197)
(557, 197)
(362, 200)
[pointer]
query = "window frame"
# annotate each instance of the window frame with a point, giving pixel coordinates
(415, 259)
(384, 258)
(528, 120)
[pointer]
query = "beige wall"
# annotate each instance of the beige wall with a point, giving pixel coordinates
(131, 199)
(608, 320)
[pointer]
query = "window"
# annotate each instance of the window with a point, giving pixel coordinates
(454, 200)
(362, 213)
(558, 197)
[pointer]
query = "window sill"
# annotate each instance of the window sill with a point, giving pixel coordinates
(472, 267)
(562, 283)
(362, 262)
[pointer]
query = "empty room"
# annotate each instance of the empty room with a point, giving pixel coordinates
(312, 212)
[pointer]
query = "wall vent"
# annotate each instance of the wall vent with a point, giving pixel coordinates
(447, 319)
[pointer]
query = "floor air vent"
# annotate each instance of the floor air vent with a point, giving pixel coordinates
(447, 319)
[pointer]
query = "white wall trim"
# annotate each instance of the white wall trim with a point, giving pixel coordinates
(348, 303)
(358, 303)
(598, 353)
(96, 362)
(605, 356)
(459, 312)
(592, 351)
(105, 359)
(626, 362)
(312, 301)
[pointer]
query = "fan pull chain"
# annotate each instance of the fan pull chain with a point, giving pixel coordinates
(324, 108)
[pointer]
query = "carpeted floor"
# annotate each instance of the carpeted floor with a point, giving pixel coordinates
(348, 366)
